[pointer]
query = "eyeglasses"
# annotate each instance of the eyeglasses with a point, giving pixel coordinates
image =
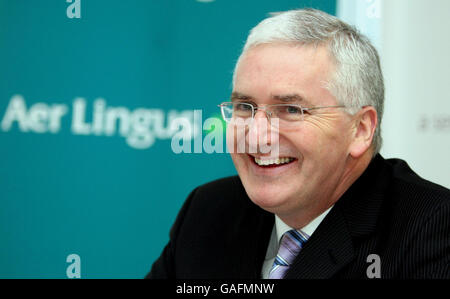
(287, 114)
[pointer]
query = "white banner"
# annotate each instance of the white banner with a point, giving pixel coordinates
(412, 36)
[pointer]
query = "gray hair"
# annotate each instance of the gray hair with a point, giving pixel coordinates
(357, 81)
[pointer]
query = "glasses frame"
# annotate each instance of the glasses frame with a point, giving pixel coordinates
(269, 113)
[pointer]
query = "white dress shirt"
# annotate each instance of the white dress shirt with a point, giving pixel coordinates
(279, 228)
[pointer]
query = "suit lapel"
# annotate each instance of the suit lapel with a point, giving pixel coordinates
(327, 251)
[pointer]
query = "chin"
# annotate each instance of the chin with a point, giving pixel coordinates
(267, 198)
(270, 188)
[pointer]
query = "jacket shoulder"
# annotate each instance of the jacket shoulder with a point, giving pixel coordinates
(226, 193)
(409, 185)
(227, 185)
(419, 224)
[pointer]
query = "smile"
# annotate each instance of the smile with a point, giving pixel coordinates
(272, 162)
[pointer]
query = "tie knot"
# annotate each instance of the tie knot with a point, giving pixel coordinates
(291, 244)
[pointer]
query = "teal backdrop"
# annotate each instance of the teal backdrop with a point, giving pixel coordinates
(76, 181)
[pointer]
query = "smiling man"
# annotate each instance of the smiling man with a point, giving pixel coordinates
(322, 139)
(324, 201)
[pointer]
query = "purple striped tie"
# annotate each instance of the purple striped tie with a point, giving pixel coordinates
(291, 244)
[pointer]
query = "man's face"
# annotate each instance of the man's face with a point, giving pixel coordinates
(319, 144)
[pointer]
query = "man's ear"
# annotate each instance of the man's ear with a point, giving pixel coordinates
(366, 121)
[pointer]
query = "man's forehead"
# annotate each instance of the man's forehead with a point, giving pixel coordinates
(284, 62)
(301, 76)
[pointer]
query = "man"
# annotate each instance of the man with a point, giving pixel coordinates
(327, 205)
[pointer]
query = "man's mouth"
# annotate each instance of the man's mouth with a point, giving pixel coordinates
(274, 162)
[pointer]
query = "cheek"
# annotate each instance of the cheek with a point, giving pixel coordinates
(240, 163)
(317, 148)
(325, 134)
(304, 141)
(235, 138)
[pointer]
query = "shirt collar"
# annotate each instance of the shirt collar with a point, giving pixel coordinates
(309, 229)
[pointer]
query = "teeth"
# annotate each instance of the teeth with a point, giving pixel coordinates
(273, 161)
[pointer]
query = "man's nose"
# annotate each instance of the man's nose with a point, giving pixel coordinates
(259, 132)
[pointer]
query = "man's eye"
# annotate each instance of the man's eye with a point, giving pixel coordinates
(293, 110)
(242, 107)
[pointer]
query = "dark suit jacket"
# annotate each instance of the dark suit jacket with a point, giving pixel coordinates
(389, 211)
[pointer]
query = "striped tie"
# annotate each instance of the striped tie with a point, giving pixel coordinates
(291, 244)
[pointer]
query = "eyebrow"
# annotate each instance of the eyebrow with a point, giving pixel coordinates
(239, 96)
(289, 98)
(286, 98)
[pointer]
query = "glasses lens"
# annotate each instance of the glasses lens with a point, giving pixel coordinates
(288, 113)
(232, 111)
(279, 115)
